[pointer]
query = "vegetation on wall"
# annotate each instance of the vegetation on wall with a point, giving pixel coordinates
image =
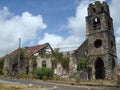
(60, 58)
(25, 55)
(65, 62)
(82, 63)
(1, 65)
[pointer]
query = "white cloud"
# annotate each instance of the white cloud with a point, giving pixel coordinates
(114, 9)
(56, 41)
(77, 29)
(52, 39)
(77, 25)
(14, 27)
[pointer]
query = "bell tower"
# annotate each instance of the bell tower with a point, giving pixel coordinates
(101, 41)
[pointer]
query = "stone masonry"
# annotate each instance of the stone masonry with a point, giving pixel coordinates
(100, 45)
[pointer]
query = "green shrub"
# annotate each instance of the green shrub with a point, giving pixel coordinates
(82, 63)
(40, 72)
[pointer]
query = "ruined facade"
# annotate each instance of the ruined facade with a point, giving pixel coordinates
(100, 45)
(25, 60)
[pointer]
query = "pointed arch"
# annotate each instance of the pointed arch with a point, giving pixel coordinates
(99, 68)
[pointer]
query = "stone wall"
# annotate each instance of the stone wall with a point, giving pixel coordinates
(40, 59)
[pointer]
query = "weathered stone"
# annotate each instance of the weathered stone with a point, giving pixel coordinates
(99, 46)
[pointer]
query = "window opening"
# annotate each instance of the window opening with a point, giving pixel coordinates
(109, 25)
(102, 9)
(43, 63)
(111, 44)
(94, 10)
(113, 67)
(98, 43)
(113, 64)
(96, 23)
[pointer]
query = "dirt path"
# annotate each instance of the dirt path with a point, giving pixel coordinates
(6, 86)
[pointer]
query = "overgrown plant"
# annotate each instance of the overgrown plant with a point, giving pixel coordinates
(65, 62)
(60, 58)
(82, 64)
(43, 72)
(1, 65)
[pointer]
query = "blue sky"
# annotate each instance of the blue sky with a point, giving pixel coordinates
(54, 13)
(59, 22)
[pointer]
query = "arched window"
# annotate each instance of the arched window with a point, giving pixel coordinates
(113, 67)
(96, 23)
(109, 25)
(113, 64)
(102, 9)
(94, 10)
(43, 63)
(111, 43)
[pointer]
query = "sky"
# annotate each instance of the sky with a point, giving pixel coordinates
(58, 22)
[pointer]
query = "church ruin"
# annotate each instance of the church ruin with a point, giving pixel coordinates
(100, 45)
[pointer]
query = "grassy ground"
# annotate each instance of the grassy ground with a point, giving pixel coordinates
(101, 82)
(18, 87)
(114, 89)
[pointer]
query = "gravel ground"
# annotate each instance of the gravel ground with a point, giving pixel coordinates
(11, 86)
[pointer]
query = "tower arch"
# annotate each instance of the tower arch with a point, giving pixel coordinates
(96, 23)
(99, 68)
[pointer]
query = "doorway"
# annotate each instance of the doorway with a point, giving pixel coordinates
(99, 69)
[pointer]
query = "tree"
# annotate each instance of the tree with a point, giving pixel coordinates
(82, 64)
(60, 58)
(65, 62)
